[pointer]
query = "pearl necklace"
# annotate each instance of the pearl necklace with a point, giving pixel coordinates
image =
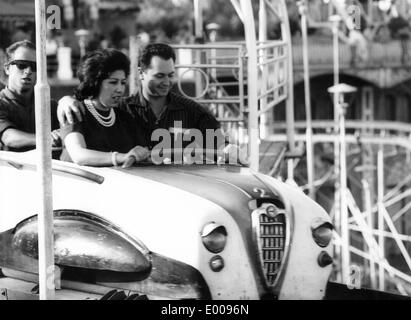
(104, 121)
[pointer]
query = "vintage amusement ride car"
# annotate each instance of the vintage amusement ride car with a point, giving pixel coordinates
(165, 232)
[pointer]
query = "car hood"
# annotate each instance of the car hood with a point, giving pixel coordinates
(230, 187)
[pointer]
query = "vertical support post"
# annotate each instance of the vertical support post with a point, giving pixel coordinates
(370, 7)
(198, 19)
(308, 132)
(213, 73)
(198, 32)
(251, 44)
(367, 116)
(290, 171)
(370, 222)
(134, 74)
(286, 34)
(44, 171)
(262, 37)
(337, 213)
(345, 239)
(380, 196)
(237, 9)
(330, 9)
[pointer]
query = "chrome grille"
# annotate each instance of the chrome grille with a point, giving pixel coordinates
(271, 238)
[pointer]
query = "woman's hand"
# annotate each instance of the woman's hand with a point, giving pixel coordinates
(137, 154)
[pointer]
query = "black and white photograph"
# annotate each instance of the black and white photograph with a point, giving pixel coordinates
(205, 150)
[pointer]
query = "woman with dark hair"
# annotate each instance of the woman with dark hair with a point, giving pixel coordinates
(106, 135)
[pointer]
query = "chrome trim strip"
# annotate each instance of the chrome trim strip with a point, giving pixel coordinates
(19, 161)
(60, 167)
(235, 187)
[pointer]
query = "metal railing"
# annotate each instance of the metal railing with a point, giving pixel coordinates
(273, 73)
(217, 71)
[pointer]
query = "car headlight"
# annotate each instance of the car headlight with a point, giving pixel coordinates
(214, 237)
(322, 232)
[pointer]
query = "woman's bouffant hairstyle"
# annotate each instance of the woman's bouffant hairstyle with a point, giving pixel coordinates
(96, 67)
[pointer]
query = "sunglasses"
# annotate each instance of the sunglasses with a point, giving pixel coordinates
(24, 64)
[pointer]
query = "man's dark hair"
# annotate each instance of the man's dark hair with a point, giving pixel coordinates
(97, 66)
(12, 48)
(161, 50)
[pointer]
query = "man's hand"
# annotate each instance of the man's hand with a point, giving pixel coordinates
(141, 153)
(68, 110)
(55, 138)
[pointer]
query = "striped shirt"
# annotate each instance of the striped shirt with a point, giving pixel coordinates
(180, 114)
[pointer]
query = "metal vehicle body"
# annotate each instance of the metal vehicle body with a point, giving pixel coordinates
(168, 231)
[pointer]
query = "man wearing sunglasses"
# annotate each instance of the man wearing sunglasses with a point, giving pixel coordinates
(17, 118)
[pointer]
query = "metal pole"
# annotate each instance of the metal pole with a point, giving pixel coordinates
(286, 34)
(289, 104)
(309, 145)
(134, 74)
(198, 19)
(370, 9)
(380, 195)
(44, 171)
(337, 214)
(213, 72)
(370, 221)
(237, 8)
(251, 44)
(198, 32)
(262, 37)
(345, 253)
